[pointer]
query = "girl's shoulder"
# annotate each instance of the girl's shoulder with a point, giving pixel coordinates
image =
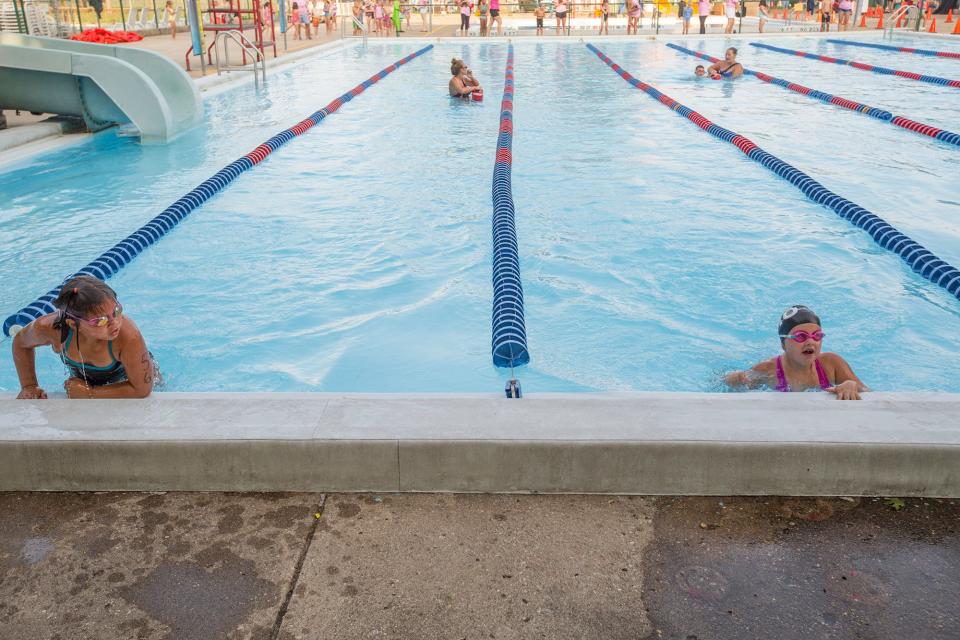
(767, 366)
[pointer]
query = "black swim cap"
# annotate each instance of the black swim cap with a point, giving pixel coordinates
(796, 315)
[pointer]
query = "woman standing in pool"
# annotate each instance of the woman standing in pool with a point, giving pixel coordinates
(462, 84)
(103, 351)
(726, 68)
(802, 366)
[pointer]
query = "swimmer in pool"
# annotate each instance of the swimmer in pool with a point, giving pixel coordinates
(801, 366)
(462, 84)
(699, 71)
(726, 68)
(103, 350)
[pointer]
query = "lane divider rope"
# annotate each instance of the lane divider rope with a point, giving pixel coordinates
(915, 255)
(873, 112)
(509, 333)
(121, 254)
(910, 75)
(887, 47)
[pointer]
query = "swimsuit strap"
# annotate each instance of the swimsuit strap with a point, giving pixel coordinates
(782, 384)
(822, 375)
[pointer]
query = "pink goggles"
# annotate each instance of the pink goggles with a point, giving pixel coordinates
(803, 336)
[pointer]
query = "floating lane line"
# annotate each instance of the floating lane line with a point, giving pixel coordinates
(873, 112)
(919, 258)
(509, 333)
(114, 259)
(888, 47)
(945, 82)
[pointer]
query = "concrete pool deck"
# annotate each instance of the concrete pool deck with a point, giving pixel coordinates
(221, 566)
(905, 444)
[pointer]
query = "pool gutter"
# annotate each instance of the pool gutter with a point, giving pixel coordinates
(904, 444)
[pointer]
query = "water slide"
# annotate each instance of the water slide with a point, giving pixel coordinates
(103, 84)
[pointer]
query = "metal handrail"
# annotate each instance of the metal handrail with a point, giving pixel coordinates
(353, 23)
(244, 43)
(899, 13)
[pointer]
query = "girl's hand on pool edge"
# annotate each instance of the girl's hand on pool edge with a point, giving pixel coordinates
(847, 390)
(77, 388)
(32, 392)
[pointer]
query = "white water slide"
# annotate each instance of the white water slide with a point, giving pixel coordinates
(102, 84)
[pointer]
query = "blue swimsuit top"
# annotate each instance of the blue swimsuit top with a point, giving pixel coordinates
(91, 374)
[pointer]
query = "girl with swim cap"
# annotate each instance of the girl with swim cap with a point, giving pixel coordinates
(802, 365)
(102, 349)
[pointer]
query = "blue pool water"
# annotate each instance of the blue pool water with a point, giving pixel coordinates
(357, 257)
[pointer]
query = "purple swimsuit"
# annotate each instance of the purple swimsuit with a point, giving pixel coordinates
(783, 385)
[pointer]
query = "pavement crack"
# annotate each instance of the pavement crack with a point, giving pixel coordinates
(298, 568)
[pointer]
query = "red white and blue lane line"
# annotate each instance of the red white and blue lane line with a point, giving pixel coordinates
(508, 328)
(888, 47)
(113, 260)
(920, 259)
(910, 75)
(879, 114)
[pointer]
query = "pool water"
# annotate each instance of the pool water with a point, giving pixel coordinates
(654, 257)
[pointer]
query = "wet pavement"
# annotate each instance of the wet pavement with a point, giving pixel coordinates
(189, 566)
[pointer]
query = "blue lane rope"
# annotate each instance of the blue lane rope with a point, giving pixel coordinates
(944, 82)
(873, 112)
(919, 258)
(114, 259)
(887, 47)
(509, 332)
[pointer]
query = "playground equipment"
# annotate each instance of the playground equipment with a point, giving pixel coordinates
(237, 16)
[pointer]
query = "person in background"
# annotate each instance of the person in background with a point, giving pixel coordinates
(844, 9)
(406, 10)
(357, 11)
(703, 10)
(687, 14)
(304, 15)
(464, 16)
(802, 366)
(730, 13)
(811, 5)
(763, 14)
(483, 10)
(604, 18)
(103, 350)
(370, 13)
(495, 16)
(539, 13)
(170, 15)
(826, 8)
(634, 16)
(560, 13)
(424, 9)
(266, 16)
(295, 20)
(378, 14)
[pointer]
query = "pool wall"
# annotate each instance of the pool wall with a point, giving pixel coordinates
(902, 444)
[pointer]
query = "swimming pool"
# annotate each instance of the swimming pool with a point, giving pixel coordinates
(357, 257)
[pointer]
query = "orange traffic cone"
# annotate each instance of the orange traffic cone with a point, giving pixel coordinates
(863, 19)
(785, 16)
(880, 22)
(949, 16)
(956, 28)
(933, 26)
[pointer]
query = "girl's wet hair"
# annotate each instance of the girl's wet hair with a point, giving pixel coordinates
(456, 65)
(80, 297)
(734, 49)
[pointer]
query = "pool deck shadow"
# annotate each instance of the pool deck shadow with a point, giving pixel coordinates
(904, 444)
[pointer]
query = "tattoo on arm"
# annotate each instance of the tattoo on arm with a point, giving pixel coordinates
(147, 363)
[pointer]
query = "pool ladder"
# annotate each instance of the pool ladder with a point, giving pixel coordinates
(903, 11)
(248, 48)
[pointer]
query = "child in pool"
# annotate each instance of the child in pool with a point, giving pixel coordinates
(102, 349)
(802, 366)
